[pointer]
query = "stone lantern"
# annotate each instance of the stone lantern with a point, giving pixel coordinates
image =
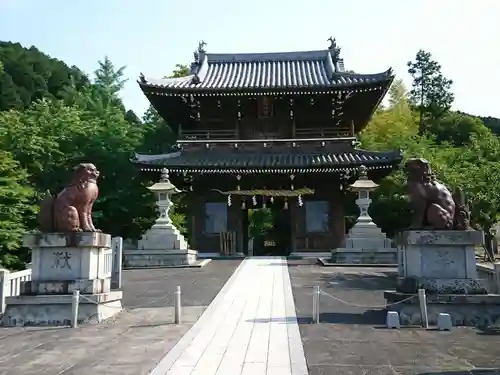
(363, 186)
(163, 190)
(163, 244)
(365, 243)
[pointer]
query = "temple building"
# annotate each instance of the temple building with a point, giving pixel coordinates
(268, 130)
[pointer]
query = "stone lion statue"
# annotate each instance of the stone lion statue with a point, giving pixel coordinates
(433, 204)
(71, 209)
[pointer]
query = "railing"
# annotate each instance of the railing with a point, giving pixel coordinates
(208, 134)
(314, 242)
(491, 273)
(231, 134)
(323, 133)
(11, 284)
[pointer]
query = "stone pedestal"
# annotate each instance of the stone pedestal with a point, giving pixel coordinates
(365, 243)
(162, 246)
(443, 263)
(62, 263)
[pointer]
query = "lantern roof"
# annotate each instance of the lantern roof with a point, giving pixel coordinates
(164, 185)
(363, 183)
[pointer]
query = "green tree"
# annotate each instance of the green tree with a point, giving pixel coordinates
(109, 78)
(180, 70)
(50, 138)
(391, 130)
(16, 206)
(458, 128)
(158, 136)
(30, 75)
(430, 88)
(398, 94)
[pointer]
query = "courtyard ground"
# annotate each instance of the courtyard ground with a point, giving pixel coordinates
(351, 339)
(131, 344)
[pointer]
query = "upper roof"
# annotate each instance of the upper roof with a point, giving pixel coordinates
(278, 70)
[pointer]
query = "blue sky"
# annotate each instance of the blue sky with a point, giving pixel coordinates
(151, 36)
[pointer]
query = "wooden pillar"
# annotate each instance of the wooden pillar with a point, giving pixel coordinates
(292, 207)
(239, 225)
(234, 222)
(337, 220)
(244, 228)
(193, 206)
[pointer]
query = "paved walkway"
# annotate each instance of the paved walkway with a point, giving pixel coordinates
(249, 329)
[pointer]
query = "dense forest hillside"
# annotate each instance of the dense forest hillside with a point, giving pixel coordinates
(53, 116)
(492, 123)
(29, 75)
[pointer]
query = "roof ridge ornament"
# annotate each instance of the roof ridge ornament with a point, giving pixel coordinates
(201, 45)
(335, 52)
(196, 64)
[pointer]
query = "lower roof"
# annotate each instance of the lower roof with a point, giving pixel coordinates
(244, 162)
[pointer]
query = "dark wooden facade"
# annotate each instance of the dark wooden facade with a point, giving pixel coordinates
(255, 129)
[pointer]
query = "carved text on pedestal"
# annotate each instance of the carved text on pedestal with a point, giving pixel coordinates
(61, 259)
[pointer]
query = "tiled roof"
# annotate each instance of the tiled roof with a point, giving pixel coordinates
(231, 161)
(310, 69)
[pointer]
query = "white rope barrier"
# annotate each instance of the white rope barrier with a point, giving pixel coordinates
(318, 292)
(77, 297)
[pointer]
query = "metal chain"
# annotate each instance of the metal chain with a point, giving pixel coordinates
(365, 306)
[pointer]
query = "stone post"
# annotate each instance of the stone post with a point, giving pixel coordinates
(116, 273)
(496, 270)
(4, 288)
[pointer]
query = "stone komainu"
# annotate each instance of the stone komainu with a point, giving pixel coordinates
(71, 209)
(433, 204)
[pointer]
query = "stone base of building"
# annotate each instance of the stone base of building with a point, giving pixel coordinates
(465, 310)
(384, 256)
(56, 310)
(162, 258)
(308, 255)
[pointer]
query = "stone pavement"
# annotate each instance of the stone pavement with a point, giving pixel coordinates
(249, 329)
(352, 339)
(132, 343)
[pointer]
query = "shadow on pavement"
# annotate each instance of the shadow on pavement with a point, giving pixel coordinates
(489, 331)
(284, 320)
(369, 317)
(469, 372)
(385, 280)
